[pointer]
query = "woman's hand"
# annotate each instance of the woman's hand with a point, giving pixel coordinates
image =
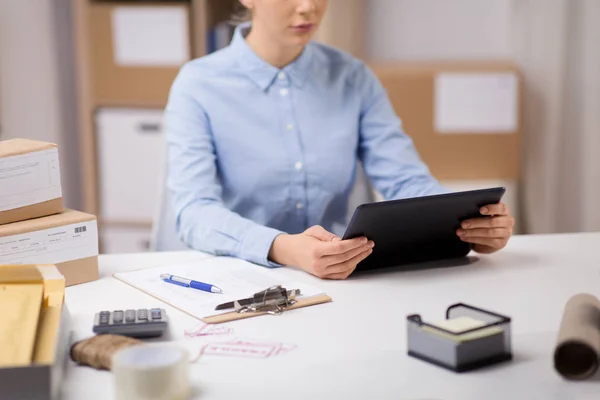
(488, 234)
(320, 252)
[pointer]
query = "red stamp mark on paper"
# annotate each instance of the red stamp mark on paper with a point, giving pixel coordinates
(238, 350)
(208, 330)
(247, 349)
(280, 348)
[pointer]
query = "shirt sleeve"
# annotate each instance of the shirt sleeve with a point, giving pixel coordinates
(203, 221)
(388, 154)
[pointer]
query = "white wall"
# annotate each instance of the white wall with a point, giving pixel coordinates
(439, 29)
(36, 81)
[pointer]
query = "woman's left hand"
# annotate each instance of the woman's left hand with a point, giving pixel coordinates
(491, 233)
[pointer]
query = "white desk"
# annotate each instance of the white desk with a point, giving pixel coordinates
(355, 348)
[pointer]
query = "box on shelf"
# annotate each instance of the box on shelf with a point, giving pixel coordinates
(69, 240)
(123, 133)
(137, 50)
(343, 26)
(463, 117)
(34, 347)
(29, 180)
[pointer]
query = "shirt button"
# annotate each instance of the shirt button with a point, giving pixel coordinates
(290, 127)
(283, 92)
(299, 206)
(281, 76)
(298, 166)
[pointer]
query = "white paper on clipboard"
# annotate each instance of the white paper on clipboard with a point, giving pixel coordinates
(150, 36)
(476, 103)
(237, 278)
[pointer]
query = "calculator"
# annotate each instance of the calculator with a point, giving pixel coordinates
(141, 323)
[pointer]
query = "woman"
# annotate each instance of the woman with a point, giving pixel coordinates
(264, 137)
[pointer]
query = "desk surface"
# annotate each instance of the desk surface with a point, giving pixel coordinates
(355, 347)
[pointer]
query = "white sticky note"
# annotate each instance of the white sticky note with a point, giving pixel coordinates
(150, 36)
(460, 324)
(476, 103)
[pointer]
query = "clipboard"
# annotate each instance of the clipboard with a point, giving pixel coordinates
(234, 315)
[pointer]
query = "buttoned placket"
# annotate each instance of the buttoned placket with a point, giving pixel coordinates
(283, 95)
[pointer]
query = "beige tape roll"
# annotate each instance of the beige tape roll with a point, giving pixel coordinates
(577, 351)
(151, 372)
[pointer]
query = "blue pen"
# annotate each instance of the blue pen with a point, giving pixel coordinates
(177, 280)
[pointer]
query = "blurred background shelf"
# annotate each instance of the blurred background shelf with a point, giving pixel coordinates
(106, 77)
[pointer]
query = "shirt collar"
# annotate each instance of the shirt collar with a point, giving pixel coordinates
(261, 72)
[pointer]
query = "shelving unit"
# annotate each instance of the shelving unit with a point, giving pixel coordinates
(98, 78)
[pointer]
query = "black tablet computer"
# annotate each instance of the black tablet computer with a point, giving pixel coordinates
(418, 229)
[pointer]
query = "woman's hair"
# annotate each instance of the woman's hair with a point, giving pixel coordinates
(240, 13)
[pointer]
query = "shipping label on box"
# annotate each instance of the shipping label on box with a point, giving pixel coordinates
(29, 179)
(51, 246)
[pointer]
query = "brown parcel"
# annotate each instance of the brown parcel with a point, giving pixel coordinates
(116, 85)
(17, 147)
(460, 156)
(75, 271)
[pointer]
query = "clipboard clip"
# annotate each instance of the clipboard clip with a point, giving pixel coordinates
(273, 300)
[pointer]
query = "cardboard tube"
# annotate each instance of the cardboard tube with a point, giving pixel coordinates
(577, 352)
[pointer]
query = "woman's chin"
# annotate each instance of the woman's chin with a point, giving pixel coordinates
(300, 40)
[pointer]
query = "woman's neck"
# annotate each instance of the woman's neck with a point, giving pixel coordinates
(271, 51)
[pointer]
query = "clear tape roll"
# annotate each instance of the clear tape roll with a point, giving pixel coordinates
(151, 372)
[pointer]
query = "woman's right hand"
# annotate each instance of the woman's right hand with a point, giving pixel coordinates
(320, 253)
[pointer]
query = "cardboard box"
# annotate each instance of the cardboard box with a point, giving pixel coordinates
(69, 240)
(463, 117)
(343, 26)
(137, 51)
(118, 131)
(41, 378)
(29, 180)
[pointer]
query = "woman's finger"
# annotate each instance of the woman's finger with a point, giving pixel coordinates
(341, 258)
(343, 270)
(317, 231)
(485, 232)
(495, 209)
(488, 222)
(340, 246)
(495, 243)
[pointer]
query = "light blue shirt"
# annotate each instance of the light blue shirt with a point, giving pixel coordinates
(255, 151)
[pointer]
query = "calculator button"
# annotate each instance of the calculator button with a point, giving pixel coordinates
(130, 316)
(142, 315)
(104, 317)
(117, 317)
(155, 312)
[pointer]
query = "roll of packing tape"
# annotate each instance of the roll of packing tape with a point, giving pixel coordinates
(151, 372)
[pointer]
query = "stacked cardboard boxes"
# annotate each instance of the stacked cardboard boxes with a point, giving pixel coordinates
(34, 226)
